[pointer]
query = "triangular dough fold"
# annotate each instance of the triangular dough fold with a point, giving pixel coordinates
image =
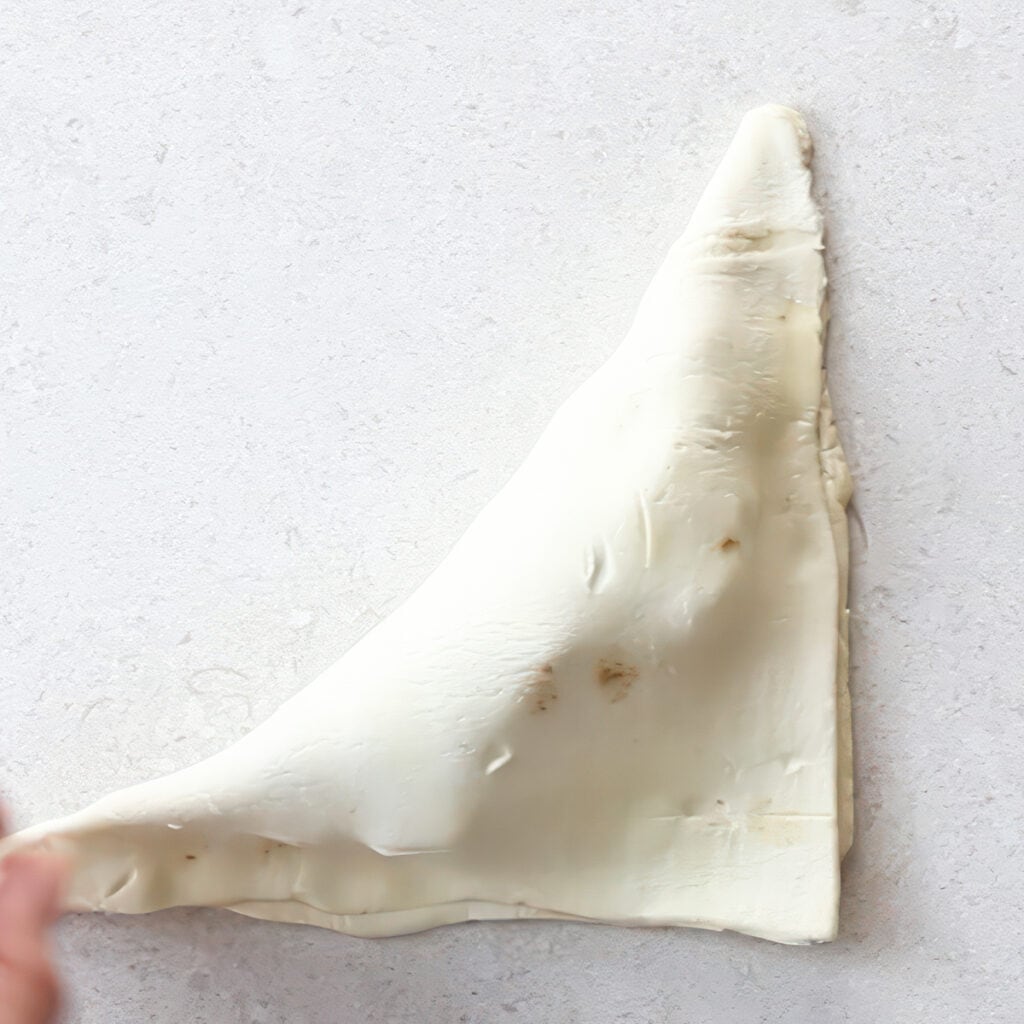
(621, 697)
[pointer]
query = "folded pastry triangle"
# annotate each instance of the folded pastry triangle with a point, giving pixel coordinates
(621, 697)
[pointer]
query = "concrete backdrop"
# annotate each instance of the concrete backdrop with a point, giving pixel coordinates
(290, 288)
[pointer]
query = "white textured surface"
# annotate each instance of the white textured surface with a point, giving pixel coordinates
(288, 291)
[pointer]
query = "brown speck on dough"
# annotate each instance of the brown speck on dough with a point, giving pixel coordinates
(190, 856)
(615, 678)
(542, 693)
(727, 544)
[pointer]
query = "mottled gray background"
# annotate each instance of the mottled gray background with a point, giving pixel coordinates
(289, 289)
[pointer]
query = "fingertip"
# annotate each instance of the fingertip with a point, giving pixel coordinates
(33, 880)
(59, 869)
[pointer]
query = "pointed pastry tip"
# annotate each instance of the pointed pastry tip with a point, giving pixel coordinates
(763, 184)
(773, 118)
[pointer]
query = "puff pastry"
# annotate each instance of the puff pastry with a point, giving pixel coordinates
(621, 697)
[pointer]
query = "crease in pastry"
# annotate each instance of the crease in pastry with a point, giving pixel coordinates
(622, 697)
